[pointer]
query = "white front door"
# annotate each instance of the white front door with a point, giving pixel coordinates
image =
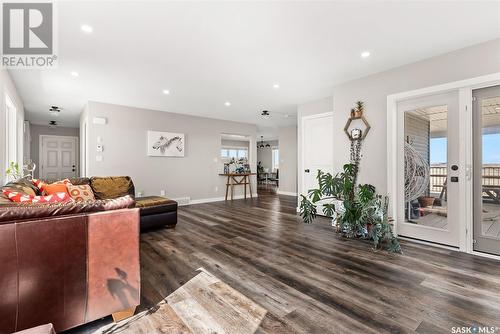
(317, 149)
(429, 169)
(58, 157)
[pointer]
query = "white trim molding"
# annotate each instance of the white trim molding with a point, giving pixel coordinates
(287, 193)
(183, 202)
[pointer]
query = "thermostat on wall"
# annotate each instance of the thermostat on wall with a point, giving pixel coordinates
(99, 120)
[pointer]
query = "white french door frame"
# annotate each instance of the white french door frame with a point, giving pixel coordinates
(395, 158)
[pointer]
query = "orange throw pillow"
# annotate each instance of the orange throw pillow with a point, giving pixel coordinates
(51, 189)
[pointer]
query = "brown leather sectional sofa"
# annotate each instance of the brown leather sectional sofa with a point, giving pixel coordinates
(155, 211)
(72, 263)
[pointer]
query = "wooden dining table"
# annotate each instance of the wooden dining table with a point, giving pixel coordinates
(238, 179)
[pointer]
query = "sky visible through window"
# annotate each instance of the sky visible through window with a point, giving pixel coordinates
(491, 149)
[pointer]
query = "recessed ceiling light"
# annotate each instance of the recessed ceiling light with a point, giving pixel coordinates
(166, 92)
(74, 73)
(276, 86)
(365, 54)
(227, 103)
(86, 28)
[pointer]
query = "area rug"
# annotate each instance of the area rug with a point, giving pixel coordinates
(204, 304)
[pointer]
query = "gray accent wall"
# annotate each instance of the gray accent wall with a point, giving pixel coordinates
(474, 61)
(38, 130)
(288, 160)
(124, 140)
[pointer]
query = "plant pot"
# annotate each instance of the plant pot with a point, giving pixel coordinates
(426, 201)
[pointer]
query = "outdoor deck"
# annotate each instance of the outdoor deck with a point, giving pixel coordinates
(490, 224)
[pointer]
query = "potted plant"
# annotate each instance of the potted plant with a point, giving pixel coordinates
(359, 212)
(13, 172)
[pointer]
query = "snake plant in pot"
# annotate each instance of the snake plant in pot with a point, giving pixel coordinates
(359, 211)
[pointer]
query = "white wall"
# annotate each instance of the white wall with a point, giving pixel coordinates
(288, 160)
(124, 138)
(7, 87)
(37, 130)
(462, 64)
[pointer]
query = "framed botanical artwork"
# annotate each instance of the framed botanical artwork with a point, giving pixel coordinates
(165, 144)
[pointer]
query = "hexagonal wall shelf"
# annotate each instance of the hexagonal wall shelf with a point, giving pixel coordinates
(363, 132)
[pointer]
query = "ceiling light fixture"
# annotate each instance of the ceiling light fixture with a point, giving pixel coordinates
(74, 73)
(166, 92)
(265, 114)
(365, 54)
(276, 86)
(261, 145)
(53, 124)
(86, 28)
(54, 110)
(227, 103)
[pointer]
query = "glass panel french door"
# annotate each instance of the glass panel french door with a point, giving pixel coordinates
(486, 181)
(430, 168)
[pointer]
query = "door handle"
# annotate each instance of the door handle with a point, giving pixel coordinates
(306, 170)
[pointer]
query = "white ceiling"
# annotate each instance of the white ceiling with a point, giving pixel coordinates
(207, 53)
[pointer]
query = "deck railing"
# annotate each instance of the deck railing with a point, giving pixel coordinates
(491, 177)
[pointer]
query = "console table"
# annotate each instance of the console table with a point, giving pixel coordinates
(232, 180)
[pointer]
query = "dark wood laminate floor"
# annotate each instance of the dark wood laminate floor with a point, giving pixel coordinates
(313, 281)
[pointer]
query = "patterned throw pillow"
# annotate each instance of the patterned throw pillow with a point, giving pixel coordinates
(81, 193)
(23, 198)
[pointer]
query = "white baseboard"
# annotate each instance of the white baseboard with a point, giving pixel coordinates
(288, 193)
(210, 200)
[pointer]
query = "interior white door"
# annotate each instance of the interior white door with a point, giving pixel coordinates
(58, 157)
(429, 169)
(317, 149)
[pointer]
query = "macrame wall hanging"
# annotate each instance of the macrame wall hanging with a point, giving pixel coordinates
(416, 173)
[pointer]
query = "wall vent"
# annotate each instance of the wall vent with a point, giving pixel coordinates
(183, 200)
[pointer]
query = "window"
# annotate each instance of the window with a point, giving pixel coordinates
(11, 130)
(276, 159)
(227, 153)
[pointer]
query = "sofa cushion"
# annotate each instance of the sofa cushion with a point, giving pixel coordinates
(76, 181)
(112, 187)
(151, 205)
(22, 211)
